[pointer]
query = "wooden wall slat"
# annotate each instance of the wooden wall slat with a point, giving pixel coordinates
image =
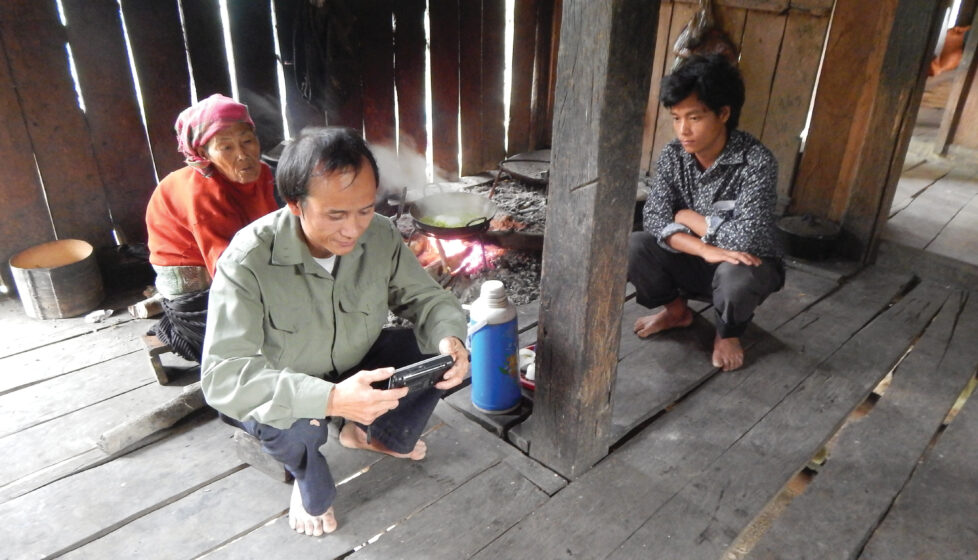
(343, 93)
(374, 20)
(544, 72)
(118, 136)
(470, 84)
(409, 75)
(493, 64)
(681, 14)
(444, 21)
(299, 111)
(205, 45)
(963, 92)
(255, 67)
(791, 93)
(732, 21)
(763, 33)
(765, 5)
(521, 89)
(662, 52)
(35, 44)
(24, 218)
(156, 39)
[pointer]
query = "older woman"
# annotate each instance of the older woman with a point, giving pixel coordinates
(195, 211)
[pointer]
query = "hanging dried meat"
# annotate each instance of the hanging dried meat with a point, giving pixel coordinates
(703, 36)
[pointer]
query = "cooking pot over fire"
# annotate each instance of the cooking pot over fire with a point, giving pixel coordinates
(453, 215)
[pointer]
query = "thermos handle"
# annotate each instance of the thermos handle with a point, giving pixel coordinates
(476, 327)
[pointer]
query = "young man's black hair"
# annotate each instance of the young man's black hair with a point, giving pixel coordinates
(713, 79)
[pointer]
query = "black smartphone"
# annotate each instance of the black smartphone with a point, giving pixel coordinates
(421, 375)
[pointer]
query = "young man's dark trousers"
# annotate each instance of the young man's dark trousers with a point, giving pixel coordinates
(298, 446)
(660, 276)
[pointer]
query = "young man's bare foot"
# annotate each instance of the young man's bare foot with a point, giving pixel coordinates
(302, 522)
(353, 437)
(728, 355)
(675, 314)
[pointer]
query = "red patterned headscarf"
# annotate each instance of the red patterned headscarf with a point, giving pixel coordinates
(198, 123)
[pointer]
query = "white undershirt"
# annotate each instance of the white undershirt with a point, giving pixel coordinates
(328, 263)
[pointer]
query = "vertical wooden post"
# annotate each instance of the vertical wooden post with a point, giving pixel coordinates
(961, 90)
(444, 22)
(860, 129)
(409, 45)
(205, 46)
(603, 76)
(253, 43)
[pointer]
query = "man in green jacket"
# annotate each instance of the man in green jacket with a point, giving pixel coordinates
(295, 323)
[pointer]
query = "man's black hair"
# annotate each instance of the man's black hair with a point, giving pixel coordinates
(715, 81)
(320, 151)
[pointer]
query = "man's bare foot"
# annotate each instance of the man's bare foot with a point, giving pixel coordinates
(728, 355)
(675, 314)
(302, 522)
(353, 437)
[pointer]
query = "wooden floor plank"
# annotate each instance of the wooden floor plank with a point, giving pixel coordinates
(934, 517)
(875, 456)
(389, 492)
(623, 491)
(707, 514)
(97, 501)
(19, 333)
(959, 239)
(462, 522)
(38, 364)
(922, 221)
(74, 433)
(198, 522)
(914, 181)
(56, 397)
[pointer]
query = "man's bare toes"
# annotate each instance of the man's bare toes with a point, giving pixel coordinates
(419, 451)
(329, 521)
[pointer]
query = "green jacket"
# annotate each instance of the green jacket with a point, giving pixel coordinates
(280, 328)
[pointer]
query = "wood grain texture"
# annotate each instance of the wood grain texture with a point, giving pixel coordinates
(493, 137)
(443, 15)
(24, 217)
(520, 101)
(59, 135)
(205, 46)
(763, 34)
(625, 490)
(595, 158)
(145, 481)
(409, 76)
(300, 110)
(544, 71)
(702, 519)
(661, 54)
(112, 112)
(374, 21)
(253, 43)
(875, 456)
(791, 94)
(156, 39)
(934, 515)
(389, 493)
(470, 86)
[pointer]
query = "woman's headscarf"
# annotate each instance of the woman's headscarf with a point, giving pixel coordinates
(198, 123)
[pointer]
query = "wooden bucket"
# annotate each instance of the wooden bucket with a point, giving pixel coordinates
(58, 279)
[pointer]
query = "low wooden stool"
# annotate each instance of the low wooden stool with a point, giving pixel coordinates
(249, 450)
(154, 348)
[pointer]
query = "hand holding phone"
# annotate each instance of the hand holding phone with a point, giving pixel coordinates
(421, 375)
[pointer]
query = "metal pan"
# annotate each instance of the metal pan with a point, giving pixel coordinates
(454, 215)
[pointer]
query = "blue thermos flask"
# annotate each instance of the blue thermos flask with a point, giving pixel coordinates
(493, 344)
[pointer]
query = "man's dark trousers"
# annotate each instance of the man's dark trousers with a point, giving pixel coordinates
(298, 446)
(660, 276)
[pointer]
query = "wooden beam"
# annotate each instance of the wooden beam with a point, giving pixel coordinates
(377, 50)
(156, 39)
(524, 47)
(816, 7)
(662, 50)
(602, 84)
(962, 89)
(470, 85)
(409, 71)
(111, 110)
(35, 43)
(541, 114)
(205, 46)
(24, 217)
(300, 111)
(444, 23)
(253, 43)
